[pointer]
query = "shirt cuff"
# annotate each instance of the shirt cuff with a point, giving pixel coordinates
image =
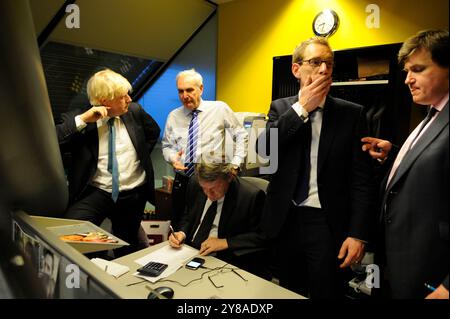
(363, 241)
(79, 123)
(237, 161)
(301, 112)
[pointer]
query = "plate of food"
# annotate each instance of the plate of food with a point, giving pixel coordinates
(93, 237)
(87, 237)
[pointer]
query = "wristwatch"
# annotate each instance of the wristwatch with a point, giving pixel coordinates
(305, 115)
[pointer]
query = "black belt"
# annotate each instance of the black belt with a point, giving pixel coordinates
(128, 192)
(307, 213)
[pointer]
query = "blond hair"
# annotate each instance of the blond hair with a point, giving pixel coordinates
(106, 85)
(297, 56)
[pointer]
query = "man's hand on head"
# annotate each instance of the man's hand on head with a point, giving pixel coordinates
(94, 114)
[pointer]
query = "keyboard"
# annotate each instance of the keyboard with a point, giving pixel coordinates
(153, 269)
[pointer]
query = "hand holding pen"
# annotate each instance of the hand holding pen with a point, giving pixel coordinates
(176, 239)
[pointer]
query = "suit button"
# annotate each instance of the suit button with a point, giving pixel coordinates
(388, 220)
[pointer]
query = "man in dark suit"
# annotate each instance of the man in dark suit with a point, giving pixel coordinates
(233, 228)
(414, 206)
(318, 206)
(110, 144)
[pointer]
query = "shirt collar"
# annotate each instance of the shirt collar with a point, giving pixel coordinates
(200, 108)
(441, 104)
(219, 201)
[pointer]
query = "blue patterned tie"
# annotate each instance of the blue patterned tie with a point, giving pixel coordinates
(192, 144)
(113, 167)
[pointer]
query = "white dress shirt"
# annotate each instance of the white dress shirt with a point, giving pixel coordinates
(219, 133)
(131, 173)
(316, 126)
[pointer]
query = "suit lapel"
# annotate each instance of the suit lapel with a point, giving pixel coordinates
(198, 209)
(228, 207)
(328, 131)
(422, 143)
(91, 133)
(128, 121)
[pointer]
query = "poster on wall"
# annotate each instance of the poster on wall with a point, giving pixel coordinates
(48, 269)
(28, 244)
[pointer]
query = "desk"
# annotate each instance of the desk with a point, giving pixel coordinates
(234, 287)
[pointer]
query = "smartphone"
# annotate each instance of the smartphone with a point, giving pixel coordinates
(195, 263)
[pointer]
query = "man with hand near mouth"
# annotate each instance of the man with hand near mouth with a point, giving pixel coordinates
(318, 207)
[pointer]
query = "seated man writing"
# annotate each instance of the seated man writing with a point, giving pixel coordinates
(222, 216)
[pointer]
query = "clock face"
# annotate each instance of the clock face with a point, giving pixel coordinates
(325, 23)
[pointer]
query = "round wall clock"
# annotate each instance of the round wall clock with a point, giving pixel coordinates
(325, 23)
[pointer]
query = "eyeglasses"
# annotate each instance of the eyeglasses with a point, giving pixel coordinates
(317, 62)
(223, 271)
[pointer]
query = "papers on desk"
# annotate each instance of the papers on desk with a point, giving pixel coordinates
(112, 268)
(174, 257)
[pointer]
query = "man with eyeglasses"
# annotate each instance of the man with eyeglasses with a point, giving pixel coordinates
(318, 208)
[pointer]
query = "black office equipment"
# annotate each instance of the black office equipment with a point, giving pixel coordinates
(153, 269)
(164, 291)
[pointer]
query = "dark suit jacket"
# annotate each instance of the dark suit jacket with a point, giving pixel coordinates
(345, 181)
(415, 221)
(83, 146)
(240, 219)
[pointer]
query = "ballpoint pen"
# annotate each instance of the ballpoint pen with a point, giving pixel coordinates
(171, 230)
(430, 287)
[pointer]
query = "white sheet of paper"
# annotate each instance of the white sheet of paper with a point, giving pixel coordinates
(174, 257)
(169, 255)
(112, 268)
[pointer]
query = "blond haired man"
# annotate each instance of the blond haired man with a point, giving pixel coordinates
(110, 142)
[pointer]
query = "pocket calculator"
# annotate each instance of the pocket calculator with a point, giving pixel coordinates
(153, 269)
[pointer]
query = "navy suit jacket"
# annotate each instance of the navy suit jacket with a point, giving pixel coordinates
(414, 215)
(344, 177)
(83, 146)
(239, 221)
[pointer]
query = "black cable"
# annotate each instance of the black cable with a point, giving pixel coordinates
(193, 280)
(200, 278)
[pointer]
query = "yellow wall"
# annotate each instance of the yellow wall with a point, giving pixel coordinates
(252, 32)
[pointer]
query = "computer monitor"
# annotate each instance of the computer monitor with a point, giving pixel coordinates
(31, 172)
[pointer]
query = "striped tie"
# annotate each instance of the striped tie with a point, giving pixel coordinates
(192, 144)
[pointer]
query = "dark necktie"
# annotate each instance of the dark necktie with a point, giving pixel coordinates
(205, 226)
(302, 189)
(113, 167)
(428, 118)
(192, 144)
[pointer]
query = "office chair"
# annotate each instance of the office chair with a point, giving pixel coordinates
(258, 182)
